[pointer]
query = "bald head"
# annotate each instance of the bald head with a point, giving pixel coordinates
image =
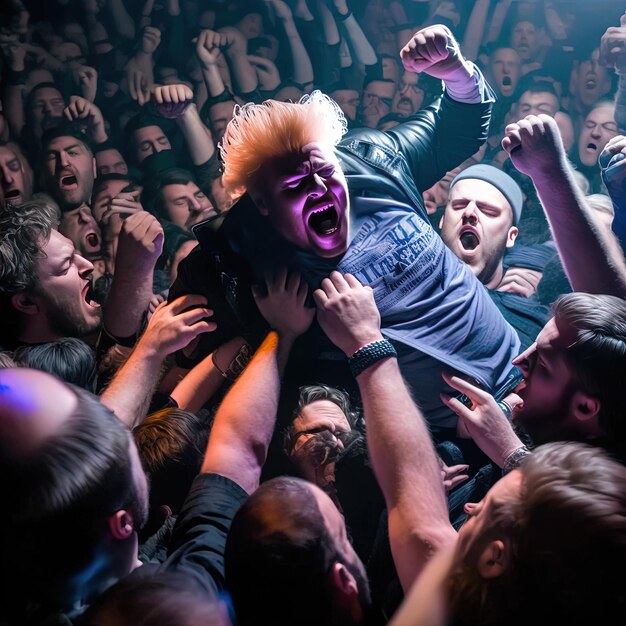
(34, 406)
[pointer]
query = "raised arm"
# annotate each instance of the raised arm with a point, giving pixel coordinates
(613, 55)
(245, 420)
(176, 102)
(139, 246)
(172, 327)
(207, 377)
(301, 62)
(124, 24)
(399, 443)
(209, 46)
(475, 29)
(360, 47)
(437, 139)
(497, 20)
(244, 74)
(13, 94)
(591, 256)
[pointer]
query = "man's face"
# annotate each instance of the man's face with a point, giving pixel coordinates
(62, 292)
(69, 171)
(15, 179)
(590, 81)
(80, 227)
(477, 227)
(219, 115)
(47, 103)
(376, 102)
(319, 416)
(408, 97)
(506, 69)
(305, 197)
(548, 385)
(186, 205)
(598, 129)
(336, 528)
(525, 41)
(480, 517)
(149, 140)
(111, 162)
(534, 103)
(348, 101)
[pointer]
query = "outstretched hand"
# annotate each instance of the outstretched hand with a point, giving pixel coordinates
(174, 325)
(283, 304)
(485, 422)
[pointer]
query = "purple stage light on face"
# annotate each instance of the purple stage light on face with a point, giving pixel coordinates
(305, 197)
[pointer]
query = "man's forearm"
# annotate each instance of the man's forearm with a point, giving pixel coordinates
(592, 258)
(197, 136)
(127, 304)
(406, 467)
(302, 66)
(244, 422)
(130, 391)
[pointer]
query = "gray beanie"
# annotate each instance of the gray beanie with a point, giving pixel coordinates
(500, 180)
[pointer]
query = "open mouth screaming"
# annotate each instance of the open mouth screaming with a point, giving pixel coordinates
(324, 220)
(93, 241)
(88, 296)
(68, 181)
(469, 240)
(506, 81)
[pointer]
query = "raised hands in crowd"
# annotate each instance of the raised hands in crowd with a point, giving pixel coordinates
(312, 283)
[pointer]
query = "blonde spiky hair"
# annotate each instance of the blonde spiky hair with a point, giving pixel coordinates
(259, 132)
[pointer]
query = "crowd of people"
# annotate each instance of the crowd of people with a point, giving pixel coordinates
(312, 312)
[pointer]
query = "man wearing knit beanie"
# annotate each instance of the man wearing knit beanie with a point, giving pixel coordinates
(480, 220)
(479, 224)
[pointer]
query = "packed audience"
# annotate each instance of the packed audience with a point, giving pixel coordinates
(312, 312)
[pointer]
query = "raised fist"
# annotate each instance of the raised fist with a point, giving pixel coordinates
(435, 51)
(172, 100)
(534, 145)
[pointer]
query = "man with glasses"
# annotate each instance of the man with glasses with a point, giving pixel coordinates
(376, 101)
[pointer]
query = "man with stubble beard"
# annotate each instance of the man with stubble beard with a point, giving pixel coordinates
(69, 169)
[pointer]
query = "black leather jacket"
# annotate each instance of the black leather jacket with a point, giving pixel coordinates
(398, 164)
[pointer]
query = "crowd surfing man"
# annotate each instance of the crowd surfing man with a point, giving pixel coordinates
(313, 202)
